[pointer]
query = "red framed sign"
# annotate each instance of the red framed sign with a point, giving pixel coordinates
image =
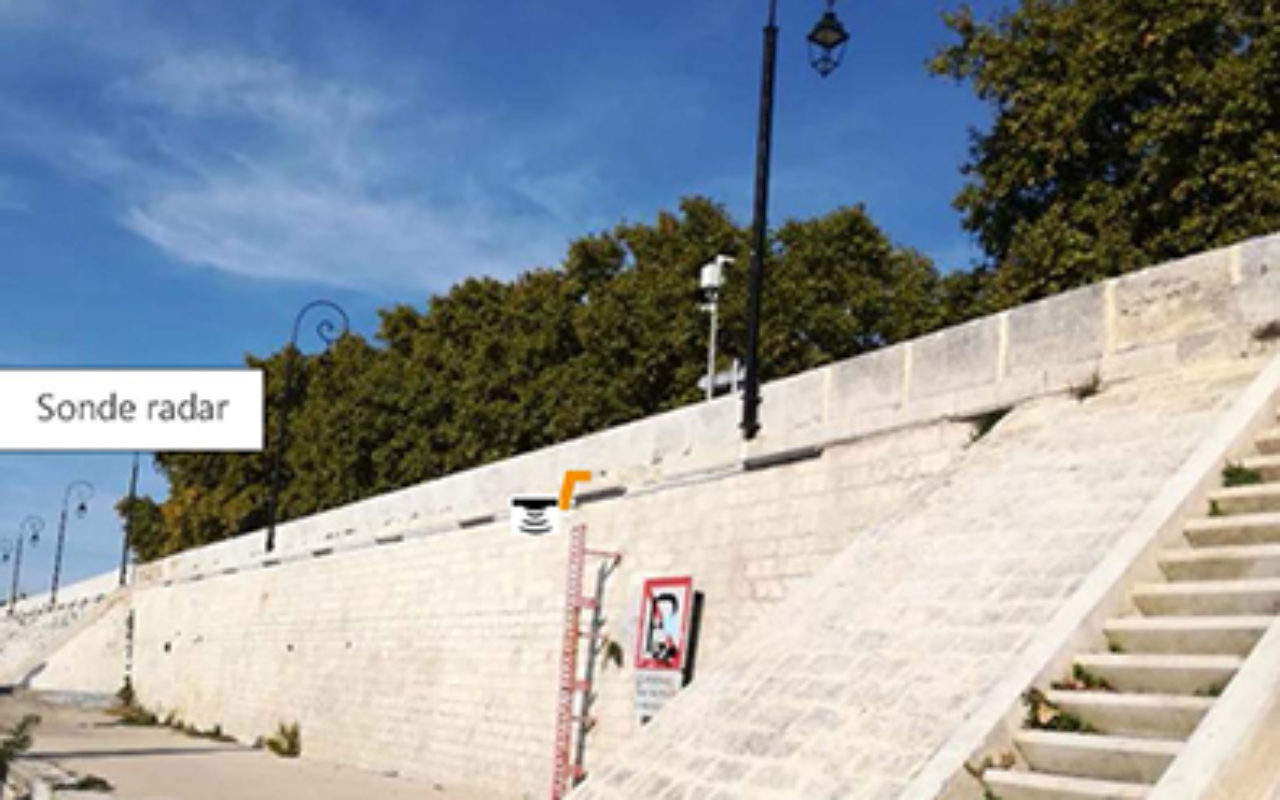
(662, 637)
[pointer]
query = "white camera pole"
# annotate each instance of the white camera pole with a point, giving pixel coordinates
(711, 348)
(712, 277)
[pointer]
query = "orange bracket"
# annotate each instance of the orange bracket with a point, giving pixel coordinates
(571, 477)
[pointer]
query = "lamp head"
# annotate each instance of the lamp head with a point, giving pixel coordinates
(827, 42)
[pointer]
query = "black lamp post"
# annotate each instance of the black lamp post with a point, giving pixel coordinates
(83, 490)
(330, 328)
(31, 527)
(826, 48)
(128, 522)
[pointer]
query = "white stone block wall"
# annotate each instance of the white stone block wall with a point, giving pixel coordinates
(92, 659)
(36, 629)
(405, 634)
(847, 688)
(437, 656)
(1196, 310)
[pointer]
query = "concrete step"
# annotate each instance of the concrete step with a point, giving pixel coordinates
(1216, 598)
(1268, 443)
(1009, 785)
(1141, 716)
(1234, 530)
(1221, 563)
(1247, 499)
(1187, 635)
(1108, 758)
(1268, 466)
(1162, 674)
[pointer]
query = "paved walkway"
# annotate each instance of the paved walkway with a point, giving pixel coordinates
(160, 764)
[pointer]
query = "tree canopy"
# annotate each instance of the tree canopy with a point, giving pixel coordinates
(1126, 132)
(494, 368)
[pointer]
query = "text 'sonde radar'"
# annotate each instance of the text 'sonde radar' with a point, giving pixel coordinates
(535, 515)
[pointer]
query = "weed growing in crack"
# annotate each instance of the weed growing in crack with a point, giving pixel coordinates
(1083, 680)
(1240, 475)
(1044, 715)
(1089, 388)
(286, 742)
(984, 423)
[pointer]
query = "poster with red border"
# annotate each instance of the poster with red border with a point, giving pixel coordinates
(666, 612)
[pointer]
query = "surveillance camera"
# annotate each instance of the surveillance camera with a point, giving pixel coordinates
(712, 273)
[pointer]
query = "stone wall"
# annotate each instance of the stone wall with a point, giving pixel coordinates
(848, 688)
(436, 656)
(1197, 310)
(413, 633)
(37, 629)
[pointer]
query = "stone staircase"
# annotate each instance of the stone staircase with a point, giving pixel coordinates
(1113, 728)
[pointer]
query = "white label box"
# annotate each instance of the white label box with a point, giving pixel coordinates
(88, 410)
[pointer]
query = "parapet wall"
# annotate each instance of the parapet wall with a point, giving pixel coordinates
(413, 633)
(1199, 309)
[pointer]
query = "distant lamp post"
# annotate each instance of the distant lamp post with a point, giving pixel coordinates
(82, 491)
(128, 522)
(332, 326)
(710, 280)
(826, 49)
(30, 528)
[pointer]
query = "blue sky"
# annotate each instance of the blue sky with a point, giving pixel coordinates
(176, 179)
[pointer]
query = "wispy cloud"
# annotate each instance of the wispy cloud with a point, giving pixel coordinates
(252, 165)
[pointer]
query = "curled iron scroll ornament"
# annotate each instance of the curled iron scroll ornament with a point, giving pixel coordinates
(32, 527)
(330, 327)
(82, 492)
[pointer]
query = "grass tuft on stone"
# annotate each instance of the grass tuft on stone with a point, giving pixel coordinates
(1083, 680)
(1044, 715)
(1240, 475)
(286, 742)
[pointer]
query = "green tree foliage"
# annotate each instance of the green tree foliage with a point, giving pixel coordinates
(1126, 132)
(494, 368)
(147, 533)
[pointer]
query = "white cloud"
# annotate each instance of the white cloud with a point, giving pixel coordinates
(257, 167)
(275, 227)
(211, 83)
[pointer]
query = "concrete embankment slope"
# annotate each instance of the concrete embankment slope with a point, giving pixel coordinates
(849, 687)
(76, 644)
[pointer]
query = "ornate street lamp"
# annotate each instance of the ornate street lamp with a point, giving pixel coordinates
(30, 528)
(330, 328)
(826, 44)
(83, 490)
(827, 41)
